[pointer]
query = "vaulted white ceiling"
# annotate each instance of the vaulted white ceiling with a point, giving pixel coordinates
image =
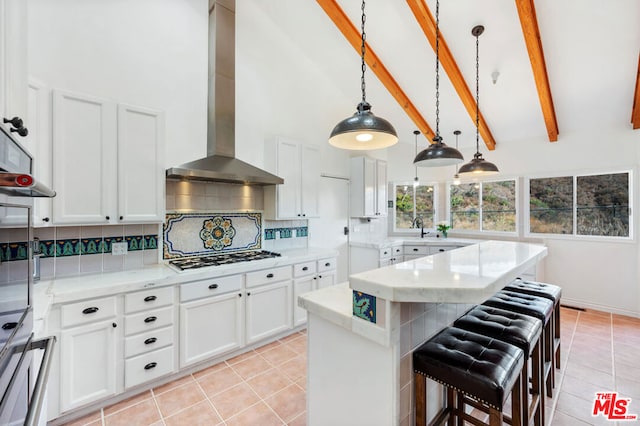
(591, 49)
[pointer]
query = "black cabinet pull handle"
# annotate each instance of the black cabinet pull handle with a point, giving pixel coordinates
(213, 286)
(22, 131)
(114, 325)
(269, 275)
(15, 122)
(45, 219)
(9, 325)
(315, 278)
(327, 264)
(91, 310)
(150, 365)
(415, 249)
(150, 319)
(248, 294)
(150, 298)
(319, 276)
(150, 340)
(298, 214)
(305, 268)
(239, 294)
(441, 250)
(385, 252)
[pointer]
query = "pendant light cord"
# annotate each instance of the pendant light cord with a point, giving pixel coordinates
(477, 93)
(437, 71)
(362, 51)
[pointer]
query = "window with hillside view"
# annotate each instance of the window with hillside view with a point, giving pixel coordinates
(486, 206)
(601, 205)
(412, 201)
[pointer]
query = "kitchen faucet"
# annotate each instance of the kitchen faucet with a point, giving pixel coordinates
(418, 221)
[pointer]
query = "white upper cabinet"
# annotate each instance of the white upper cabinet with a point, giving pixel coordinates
(13, 61)
(299, 165)
(368, 187)
(141, 171)
(108, 161)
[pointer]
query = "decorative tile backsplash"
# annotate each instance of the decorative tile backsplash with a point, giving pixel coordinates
(207, 233)
(295, 232)
(364, 306)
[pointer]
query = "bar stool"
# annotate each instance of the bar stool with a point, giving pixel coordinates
(551, 292)
(538, 307)
(474, 368)
(519, 330)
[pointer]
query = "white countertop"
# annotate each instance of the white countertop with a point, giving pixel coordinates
(398, 241)
(466, 275)
(78, 287)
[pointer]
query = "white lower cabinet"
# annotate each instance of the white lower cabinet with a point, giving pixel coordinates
(301, 286)
(210, 327)
(149, 366)
(88, 363)
(268, 310)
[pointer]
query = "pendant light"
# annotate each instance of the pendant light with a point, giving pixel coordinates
(456, 177)
(478, 166)
(438, 154)
(416, 181)
(363, 130)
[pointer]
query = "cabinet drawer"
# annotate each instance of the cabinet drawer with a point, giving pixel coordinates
(302, 269)
(415, 250)
(149, 341)
(210, 287)
(268, 276)
(327, 264)
(149, 366)
(385, 253)
(440, 249)
(148, 320)
(87, 311)
(148, 299)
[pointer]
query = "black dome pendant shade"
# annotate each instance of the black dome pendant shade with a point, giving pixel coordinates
(438, 153)
(478, 166)
(363, 130)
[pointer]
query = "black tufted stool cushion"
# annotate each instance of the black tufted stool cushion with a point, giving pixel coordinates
(537, 307)
(476, 366)
(549, 291)
(519, 330)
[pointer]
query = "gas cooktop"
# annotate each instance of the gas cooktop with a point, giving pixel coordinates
(221, 259)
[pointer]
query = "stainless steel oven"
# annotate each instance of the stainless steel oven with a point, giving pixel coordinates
(23, 366)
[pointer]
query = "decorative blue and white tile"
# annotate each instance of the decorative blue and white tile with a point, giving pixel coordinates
(68, 247)
(270, 234)
(134, 242)
(150, 242)
(197, 234)
(302, 231)
(91, 245)
(364, 306)
(285, 232)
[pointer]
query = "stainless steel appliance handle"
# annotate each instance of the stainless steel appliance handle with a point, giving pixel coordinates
(40, 387)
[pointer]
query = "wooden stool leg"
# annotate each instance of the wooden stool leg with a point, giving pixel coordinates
(524, 388)
(549, 357)
(516, 403)
(495, 417)
(541, 380)
(557, 333)
(537, 386)
(421, 399)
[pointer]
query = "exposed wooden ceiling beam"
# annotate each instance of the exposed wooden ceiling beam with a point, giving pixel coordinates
(428, 24)
(529, 23)
(635, 112)
(346, 27)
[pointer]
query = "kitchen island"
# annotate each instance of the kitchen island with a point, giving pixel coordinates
(361, 334)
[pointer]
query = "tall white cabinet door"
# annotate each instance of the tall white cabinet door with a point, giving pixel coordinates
(381, 188)
(13, 60)
(141, 168)
(301, 286)
(38, 143)
(268, 310)
(87, 364)
(209, 327)
(84, 158)
(310, 180)
(288, 169)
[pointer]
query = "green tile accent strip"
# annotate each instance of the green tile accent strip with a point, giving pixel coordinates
(150, 242)
(269, 234)
(134, 242)
(68, 247)
(364, 306)
(90, 246)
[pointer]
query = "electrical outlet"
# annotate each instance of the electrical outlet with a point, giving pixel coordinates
(118, 249)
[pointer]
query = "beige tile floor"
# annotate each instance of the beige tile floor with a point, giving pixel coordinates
(267, 386)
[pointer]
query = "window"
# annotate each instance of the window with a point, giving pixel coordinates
(485, 206)
(595, 205)
(412, 201)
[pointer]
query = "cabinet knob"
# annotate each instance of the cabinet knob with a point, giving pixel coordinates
(150, 365)
(213, 286)
(239, 294)
(15, 122)
(298, 214)
(150, 298)
(91, 310)
(150, 319)
(121, 217)
(319, 276)
(327, 264)
(106, 217)
(45, 219)
(150, 340)
(305, 268)
(249, 294)
(415, 249)
(22, 131)
(269, 275)
(304, 214)
(9, 325)
(385, 252)
(114, 325)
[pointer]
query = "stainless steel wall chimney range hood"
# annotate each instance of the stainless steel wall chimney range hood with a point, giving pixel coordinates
(220, 165)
